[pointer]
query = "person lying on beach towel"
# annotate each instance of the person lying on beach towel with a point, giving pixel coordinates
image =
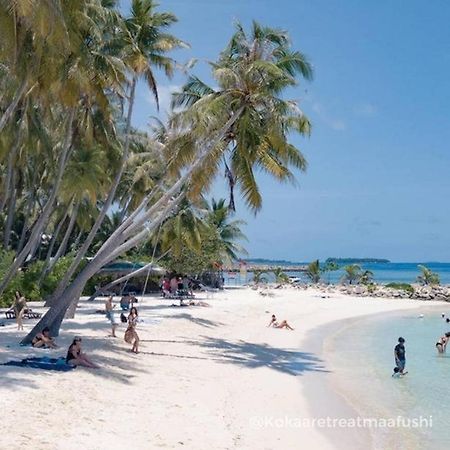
(75, 357)
(44, 340)
(283, 324)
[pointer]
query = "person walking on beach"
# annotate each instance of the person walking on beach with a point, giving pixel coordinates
(109, 308)
(19, 307)
(400, 356)
(131, 335)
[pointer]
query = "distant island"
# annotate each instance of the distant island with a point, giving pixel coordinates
(357, 260)
(265, 261)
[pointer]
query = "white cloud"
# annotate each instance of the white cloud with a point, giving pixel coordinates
(365, 110)
(333, 122)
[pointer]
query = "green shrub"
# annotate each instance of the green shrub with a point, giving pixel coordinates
(401, 287)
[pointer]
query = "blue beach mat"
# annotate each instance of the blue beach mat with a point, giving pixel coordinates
(44, 362)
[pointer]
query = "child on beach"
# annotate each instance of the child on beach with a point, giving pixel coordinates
(400, 357)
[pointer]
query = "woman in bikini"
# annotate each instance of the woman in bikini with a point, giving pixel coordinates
(274, 323)
(442, 342)
(75, 357)
(131, 335)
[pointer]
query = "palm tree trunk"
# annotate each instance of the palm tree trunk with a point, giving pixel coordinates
(13, 105)
(122, 240)
(127, 277)
(11, 211)
(106, 206)
(62, 247)
(48, 208)
(50, 250)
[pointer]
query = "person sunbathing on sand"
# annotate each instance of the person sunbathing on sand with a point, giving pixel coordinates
(43, 340)
(75, 357)
(274, 323)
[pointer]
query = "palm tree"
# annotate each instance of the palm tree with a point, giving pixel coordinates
(366, 277)
(280, 276)
(313, 271)
(229, 232)
(427, 277)
(352, 274)
(143, 43)
(259, 276)
(247, 122)
(251, 73)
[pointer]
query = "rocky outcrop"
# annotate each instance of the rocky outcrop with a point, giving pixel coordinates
(415, 291)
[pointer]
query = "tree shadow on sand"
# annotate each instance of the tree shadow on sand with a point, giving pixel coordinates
(254, 356)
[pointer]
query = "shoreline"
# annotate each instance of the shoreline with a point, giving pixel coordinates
(219, 369)
(334, 391)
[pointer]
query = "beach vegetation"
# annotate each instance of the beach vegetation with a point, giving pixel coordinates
(259, 276)
(427, 277)
(352, 274)
(313, 271)
(280, 275)
(401, 287)
(77, 179)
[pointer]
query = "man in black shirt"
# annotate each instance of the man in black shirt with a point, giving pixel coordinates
(399, 355)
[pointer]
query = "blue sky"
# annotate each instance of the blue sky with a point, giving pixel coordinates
(377, 182)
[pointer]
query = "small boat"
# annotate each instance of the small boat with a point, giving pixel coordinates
(293, 279)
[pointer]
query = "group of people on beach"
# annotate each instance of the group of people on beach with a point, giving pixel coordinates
(400, 351)
(131, 336)
(176, 284)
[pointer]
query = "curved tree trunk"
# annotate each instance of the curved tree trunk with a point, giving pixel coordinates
(11, 211)
(13, 105)
(129, 234)
(48, 208)
(63, 246)
(50, 250)
(106, 206)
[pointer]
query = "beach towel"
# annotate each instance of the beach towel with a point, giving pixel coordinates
(43, 362)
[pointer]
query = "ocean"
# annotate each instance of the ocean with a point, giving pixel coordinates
(361, 356)
(383, 273)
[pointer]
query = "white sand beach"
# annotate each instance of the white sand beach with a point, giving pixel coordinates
(206, 377)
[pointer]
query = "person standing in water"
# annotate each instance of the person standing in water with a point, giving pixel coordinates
(442, 342)
(400, 356)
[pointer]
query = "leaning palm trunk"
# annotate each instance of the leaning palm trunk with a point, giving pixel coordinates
(11, 211)
(45, 270)
(40, 224)
(106, 206)
(62, 247)
(13, 105)
(136, 272)
(128, 235)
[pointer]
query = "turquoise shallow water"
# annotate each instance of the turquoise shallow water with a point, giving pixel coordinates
(383, 273)
(361, 354)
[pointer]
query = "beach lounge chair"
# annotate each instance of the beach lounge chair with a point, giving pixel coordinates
(28, 314)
